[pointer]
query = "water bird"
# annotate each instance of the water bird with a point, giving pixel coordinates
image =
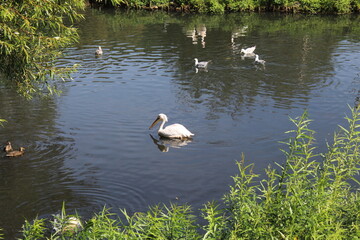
(202, 64)
(8, 147)
(260, 61)
(249, 50)
(172, 131)
(98, 51)
(16, 153)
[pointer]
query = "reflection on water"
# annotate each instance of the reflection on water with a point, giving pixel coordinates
(237, 32)
(164, 144)
(90, 146)
(197, 34)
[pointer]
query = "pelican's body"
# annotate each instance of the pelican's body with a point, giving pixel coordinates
(202, 64)
(260, 61)
(99, 52)
(8, 147)
(16, 153)
(249, 50)
(172, 131)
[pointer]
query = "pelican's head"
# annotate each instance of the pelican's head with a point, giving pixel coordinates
(163, 117)
(160, 117)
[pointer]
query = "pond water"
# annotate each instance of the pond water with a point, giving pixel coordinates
(91, 146)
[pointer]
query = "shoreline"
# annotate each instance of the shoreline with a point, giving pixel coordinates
(229, 6)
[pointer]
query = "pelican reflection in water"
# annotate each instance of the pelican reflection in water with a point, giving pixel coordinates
(164, 144)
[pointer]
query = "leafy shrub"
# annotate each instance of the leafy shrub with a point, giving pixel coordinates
(311, 5)
(242, 5)
(342, 6)
(215, 6)
(308, 197)
(31, 35)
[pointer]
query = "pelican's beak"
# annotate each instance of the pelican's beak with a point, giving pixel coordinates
(155, 122)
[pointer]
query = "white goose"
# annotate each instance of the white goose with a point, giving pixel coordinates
(249, 50)
(202, 64)
(99, 51)
(172, 131)
(260, 61)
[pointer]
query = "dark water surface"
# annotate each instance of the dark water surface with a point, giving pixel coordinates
(91, 146)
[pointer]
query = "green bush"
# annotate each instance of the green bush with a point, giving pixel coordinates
(242, 5)
(311, 5)
(215, 6)
(309, 197)
(355, 5)
(342, 6)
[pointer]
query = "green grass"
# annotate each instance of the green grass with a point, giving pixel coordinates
(310, 196)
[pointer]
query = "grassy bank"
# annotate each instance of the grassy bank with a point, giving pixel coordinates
(310, 196)
(221, 6)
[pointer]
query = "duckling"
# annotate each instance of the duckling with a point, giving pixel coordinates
(8, 147)
(16, 153)
(99, 52)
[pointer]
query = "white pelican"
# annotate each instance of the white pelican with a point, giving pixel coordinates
(172, 131)
(249, 50)
(260, 61)
(99, 51)
(201, 64)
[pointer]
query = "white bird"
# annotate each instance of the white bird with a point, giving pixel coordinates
(249, 50)
(99, 51)
(202, 64)
(172, 131)
(260, 61)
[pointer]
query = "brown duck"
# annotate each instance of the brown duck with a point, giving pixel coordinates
(16, 153)
(8, 147)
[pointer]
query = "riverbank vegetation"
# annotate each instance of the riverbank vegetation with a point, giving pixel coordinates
(311, 196)
(221, 6)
